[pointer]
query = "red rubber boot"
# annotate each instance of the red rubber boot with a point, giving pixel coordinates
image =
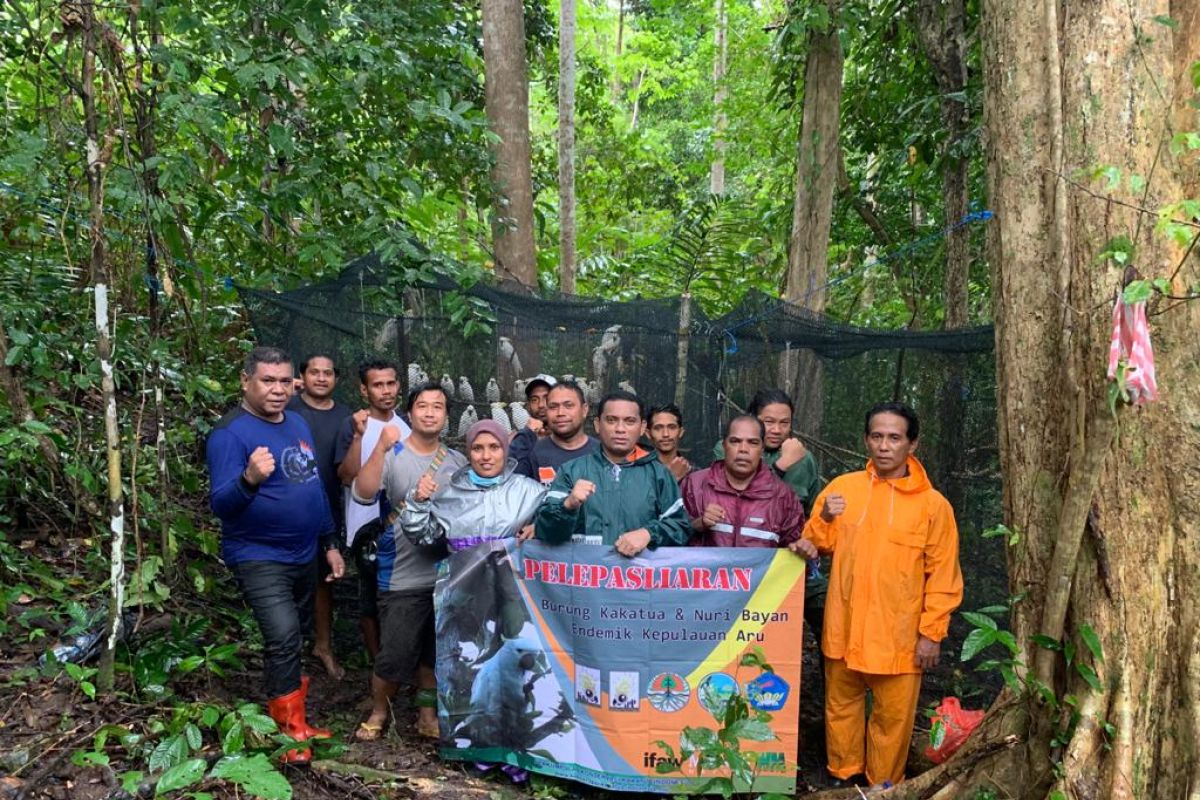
(313, 733)
(287, 711)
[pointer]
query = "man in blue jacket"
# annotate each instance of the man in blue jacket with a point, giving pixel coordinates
(274, 512)
(618, 494)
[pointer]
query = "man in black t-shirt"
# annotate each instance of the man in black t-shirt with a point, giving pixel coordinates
(566, 410)
(325, 416)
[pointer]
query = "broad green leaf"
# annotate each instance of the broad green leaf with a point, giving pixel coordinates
(181, 776)
(754, 731)
(234, 740)
(255, 774)
(194, 739)
(1046, 642)
(1138, 291)
(130, 781)
(209, 716)
(1092, 641)
(1089, 675)
(259, 723)
(1009, 641)
(976, 640)
(980, 620)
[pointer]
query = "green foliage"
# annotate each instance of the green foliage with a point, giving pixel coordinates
(702, 748)
(174, 746)
(1011, 535)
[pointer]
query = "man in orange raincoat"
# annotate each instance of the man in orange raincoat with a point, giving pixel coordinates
(895, 581)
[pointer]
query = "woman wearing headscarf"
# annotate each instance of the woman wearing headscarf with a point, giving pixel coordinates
(482, 501)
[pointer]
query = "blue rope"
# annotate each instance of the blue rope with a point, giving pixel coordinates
(968, 219)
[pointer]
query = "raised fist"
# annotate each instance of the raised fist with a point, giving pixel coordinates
(580, 492)
(388, 437)
(359, 421)
(713, 514)
(792, 450)
(679, 467)
(425, 488)
(835, 504)
(260, 466)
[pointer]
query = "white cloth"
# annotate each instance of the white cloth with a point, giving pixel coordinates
(357, 514)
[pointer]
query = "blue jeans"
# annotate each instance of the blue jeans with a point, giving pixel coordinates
(280, 596)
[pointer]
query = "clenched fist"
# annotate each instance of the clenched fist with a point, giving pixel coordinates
(790, 452)
(359, 421)
(713, 514)
(679, 467)
(834, 505)
(580, 492)
(630, 543)
(259, 467)
(388, 438)
(425, 488)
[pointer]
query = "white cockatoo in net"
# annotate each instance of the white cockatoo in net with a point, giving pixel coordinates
(520, 416)
(469, 417)
(500, 416)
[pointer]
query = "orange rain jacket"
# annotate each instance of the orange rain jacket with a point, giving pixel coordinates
(895, 570)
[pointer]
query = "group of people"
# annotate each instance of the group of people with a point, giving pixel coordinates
(292, 470)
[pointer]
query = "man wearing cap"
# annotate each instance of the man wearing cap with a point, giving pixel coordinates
(523, 440)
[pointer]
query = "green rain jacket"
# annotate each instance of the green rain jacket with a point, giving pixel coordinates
(641, 493)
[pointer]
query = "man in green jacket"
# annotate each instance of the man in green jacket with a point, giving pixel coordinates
(619, 494)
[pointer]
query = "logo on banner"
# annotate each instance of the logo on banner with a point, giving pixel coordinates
(715, 692)
(767, 692)
(668, 691)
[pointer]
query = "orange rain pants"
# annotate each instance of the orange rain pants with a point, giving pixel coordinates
(884, 740)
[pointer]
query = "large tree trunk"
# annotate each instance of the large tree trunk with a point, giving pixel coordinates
(716, 179)
(506, 87)
(1107, 509)
(800, 373)
(566, 145)
(941, 26)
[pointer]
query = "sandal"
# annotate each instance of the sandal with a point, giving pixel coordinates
(367, 732)
(428, 730)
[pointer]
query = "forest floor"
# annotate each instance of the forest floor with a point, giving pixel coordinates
(49, 726)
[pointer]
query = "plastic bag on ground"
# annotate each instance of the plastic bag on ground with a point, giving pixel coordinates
(952, 724)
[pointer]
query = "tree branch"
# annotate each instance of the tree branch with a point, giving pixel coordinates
(1110, 199)
(1086, 461)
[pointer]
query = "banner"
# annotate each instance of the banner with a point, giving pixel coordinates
(574, 661)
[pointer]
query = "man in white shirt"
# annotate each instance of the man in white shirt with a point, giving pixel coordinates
(380, 388)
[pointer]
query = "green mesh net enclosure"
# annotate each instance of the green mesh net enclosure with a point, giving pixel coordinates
(486, 339)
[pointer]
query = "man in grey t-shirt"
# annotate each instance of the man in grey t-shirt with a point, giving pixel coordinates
(406, 572)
